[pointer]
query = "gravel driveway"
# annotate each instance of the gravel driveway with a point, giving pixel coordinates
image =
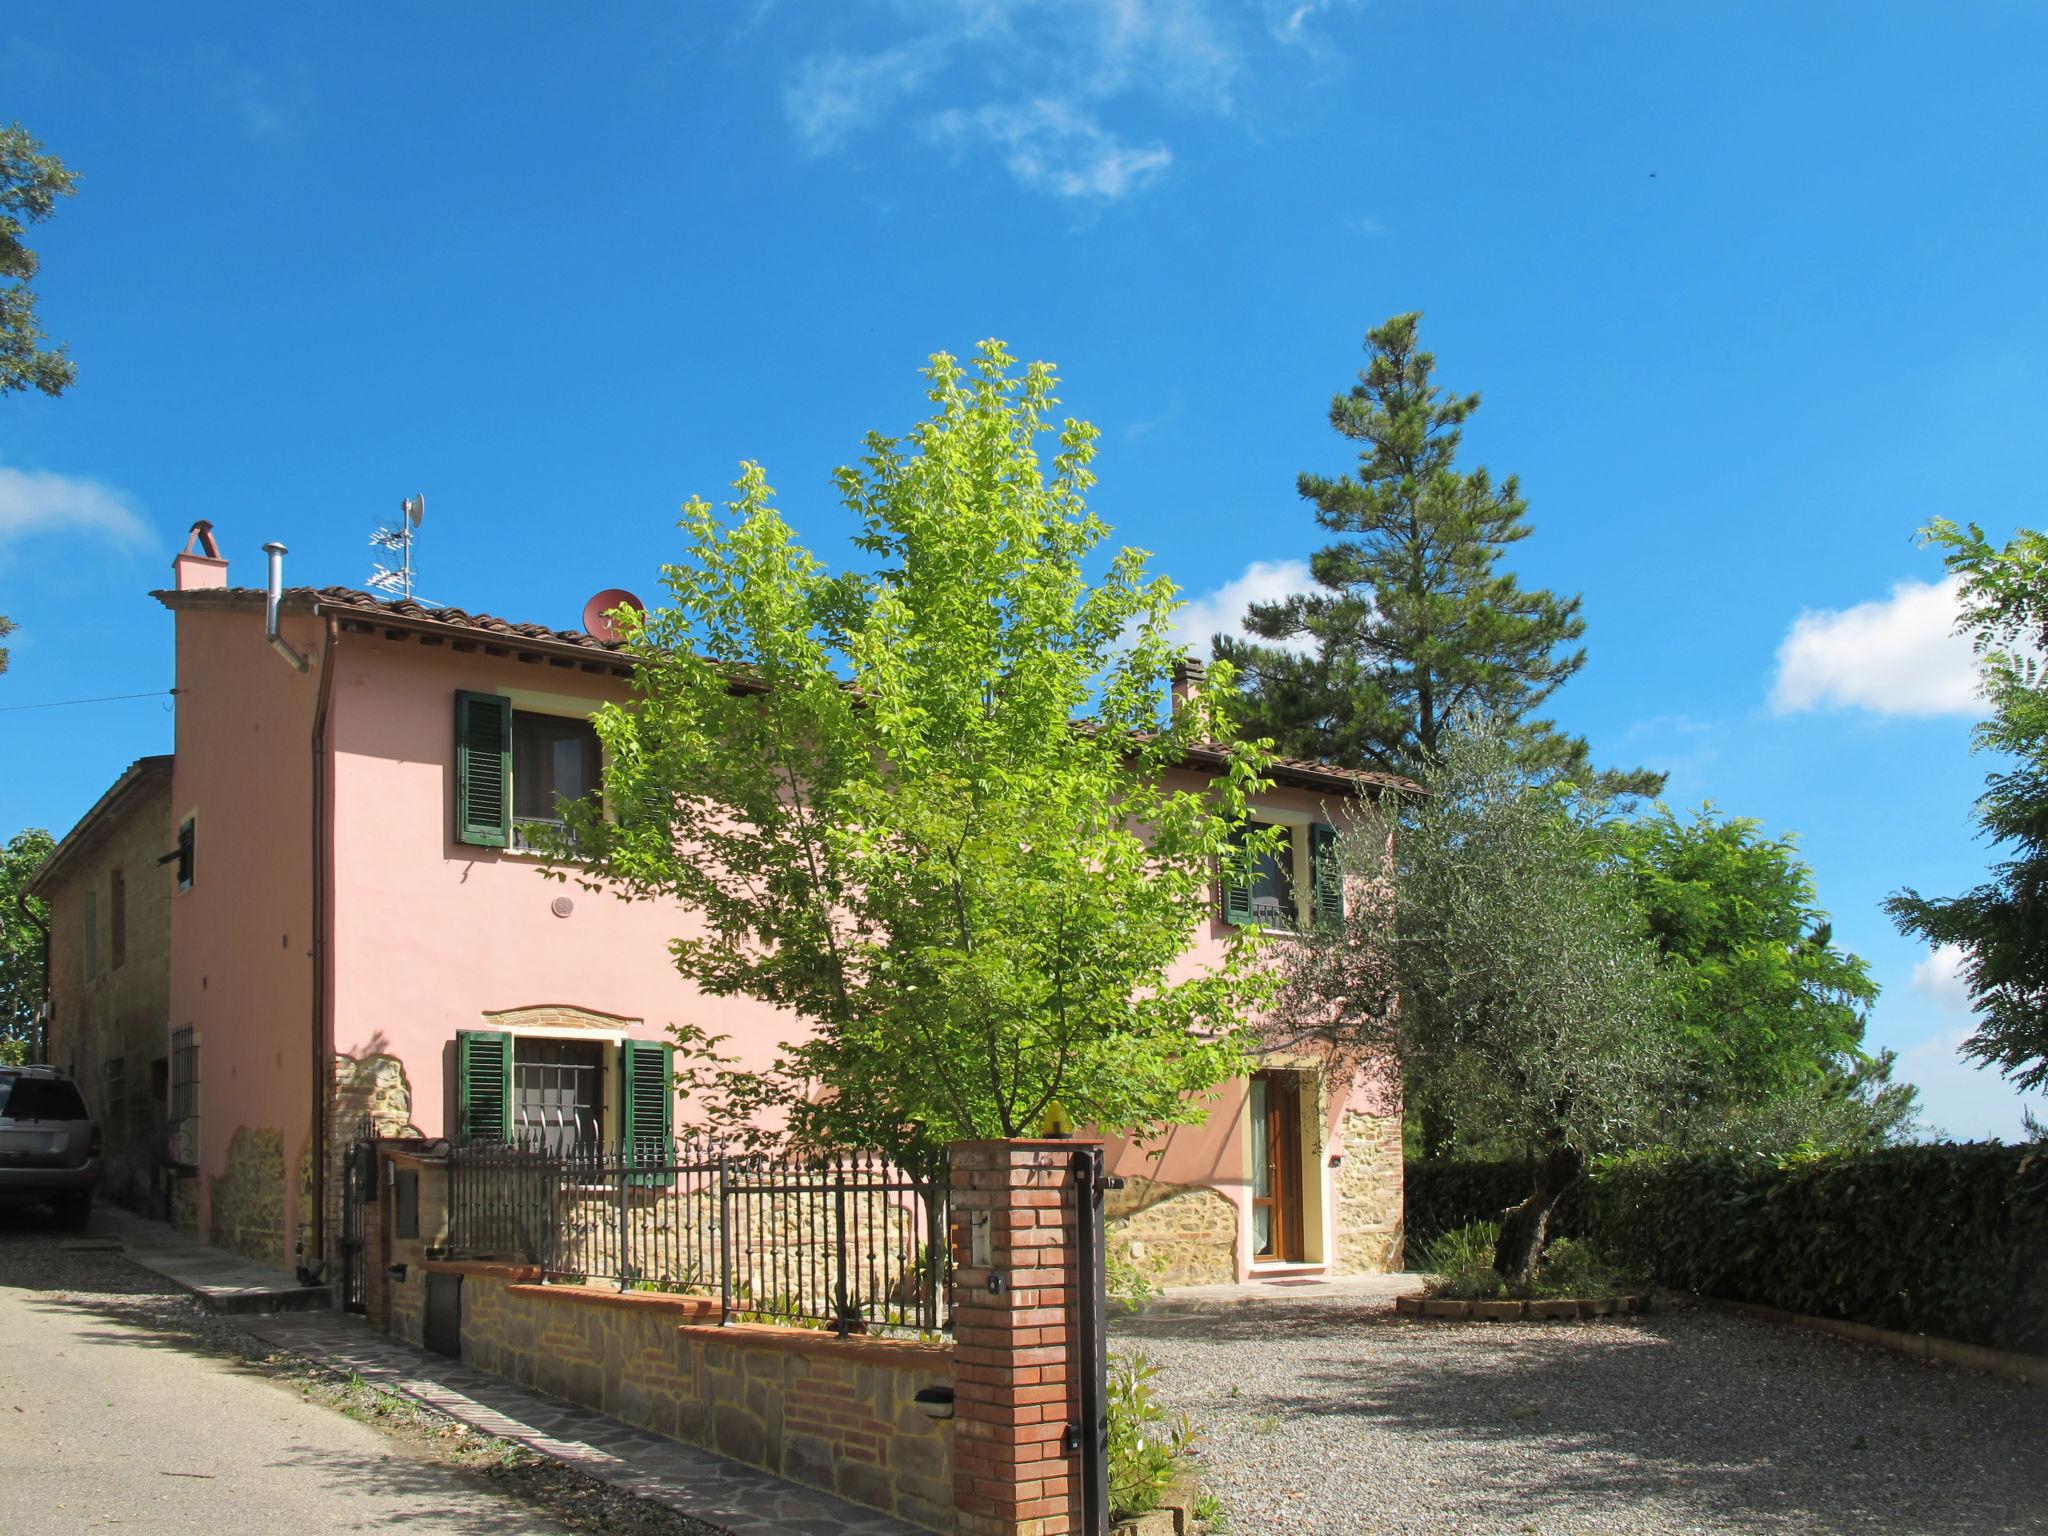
(1342, 1420)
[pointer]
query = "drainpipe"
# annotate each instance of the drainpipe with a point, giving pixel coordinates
(313, 1265)
(273, 592)
(42, 1012)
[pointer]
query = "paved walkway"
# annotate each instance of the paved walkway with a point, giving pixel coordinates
(741, 1499)
(1265, 1290)
(112, 1419)
(223, 1282)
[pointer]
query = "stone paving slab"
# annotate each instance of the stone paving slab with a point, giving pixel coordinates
(1263, 1291)
(742, 1500)
(223, 1282)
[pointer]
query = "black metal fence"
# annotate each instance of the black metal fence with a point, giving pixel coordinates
(847, 1241)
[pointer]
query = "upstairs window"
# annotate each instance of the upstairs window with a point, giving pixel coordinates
(1292, 886)
(515, 769)
(188, 837)
(555, 760)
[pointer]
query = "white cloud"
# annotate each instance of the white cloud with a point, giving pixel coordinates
(1222, 610)
(1960, 1098)
(1291, 21)
(1052, 146)
(1893, 656)
(1050, 87)
(1939, 979)
(36, 501)
(830, 96)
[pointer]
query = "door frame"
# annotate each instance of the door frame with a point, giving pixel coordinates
(1284, 1170)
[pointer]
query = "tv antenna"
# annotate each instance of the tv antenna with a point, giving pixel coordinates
(398, 536)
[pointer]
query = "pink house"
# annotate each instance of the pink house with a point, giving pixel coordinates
(355, 931)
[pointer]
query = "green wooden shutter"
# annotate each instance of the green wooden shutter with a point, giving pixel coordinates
(483, 769)
(483, 1085)
(1326, 874)
(649, 1096)
(1237, 890)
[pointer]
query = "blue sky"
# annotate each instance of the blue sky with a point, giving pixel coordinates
(1750, 292)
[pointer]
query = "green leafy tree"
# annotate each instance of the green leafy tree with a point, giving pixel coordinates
(7, 627)
(30, 184)
(873, 788)
(1765, 1000)
(1528, 993)
(1412, 622)
(2002, 925)
(21, 943)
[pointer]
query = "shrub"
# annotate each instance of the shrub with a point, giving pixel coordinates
(1944, 1239)
(1146, 1447)
(1441, 1195)
(1462, 1262)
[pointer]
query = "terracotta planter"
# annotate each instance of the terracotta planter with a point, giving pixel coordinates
(1557, 1307)
(1438, 1307)
(1408, 1306)
(1497, 1311)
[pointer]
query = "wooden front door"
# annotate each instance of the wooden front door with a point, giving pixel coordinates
(1276, 1166)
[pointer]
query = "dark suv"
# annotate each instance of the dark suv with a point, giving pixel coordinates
(49, 1147)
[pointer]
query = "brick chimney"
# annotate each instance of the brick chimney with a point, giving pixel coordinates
(203, 566)
(1188, 676)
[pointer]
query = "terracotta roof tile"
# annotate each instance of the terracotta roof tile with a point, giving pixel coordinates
(1286, 770)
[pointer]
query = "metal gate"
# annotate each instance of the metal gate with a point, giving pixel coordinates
(358, 1194)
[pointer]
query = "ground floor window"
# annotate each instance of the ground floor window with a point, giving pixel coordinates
(562, 1090)
(184, 1105)
(558, 1091)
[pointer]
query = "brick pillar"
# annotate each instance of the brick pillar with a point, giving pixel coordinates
(1013, 1352)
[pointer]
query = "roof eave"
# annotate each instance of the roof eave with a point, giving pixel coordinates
(137, 776)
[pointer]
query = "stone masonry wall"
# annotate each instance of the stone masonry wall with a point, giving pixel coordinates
(838, 1414)
(1368, 1195)
(367, 1088)
(1175, 1234)
(247, 1203)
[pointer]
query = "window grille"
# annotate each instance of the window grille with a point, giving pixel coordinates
(184, 1117)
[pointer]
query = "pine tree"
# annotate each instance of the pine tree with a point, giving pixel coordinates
(1411, 622)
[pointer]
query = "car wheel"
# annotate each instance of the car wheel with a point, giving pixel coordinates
(75, 1210)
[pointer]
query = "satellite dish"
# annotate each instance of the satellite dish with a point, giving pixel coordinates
(415, 508)
(597, 621)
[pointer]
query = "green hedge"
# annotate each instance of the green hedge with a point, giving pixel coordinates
(1440, 1195)
(1945, 1239)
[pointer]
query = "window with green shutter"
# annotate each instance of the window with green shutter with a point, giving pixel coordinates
(483, 769)
(483, 1085)
(1326, 875)
(1265, 894)
(649, 1095)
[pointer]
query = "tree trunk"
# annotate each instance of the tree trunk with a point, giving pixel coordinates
(1525, 1228)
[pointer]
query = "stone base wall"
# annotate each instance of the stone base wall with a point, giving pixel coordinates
(1174, 1234)
(185, 1206)
(367, 1088)
(246, 1204)
(838, 1414)
(1368, 1196)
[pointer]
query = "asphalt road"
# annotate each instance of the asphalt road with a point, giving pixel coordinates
(107, 1423)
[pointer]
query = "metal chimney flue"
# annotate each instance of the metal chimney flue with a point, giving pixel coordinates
(273, 595)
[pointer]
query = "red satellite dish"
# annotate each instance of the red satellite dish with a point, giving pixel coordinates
(597, 620)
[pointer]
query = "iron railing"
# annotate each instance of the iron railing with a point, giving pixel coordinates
(849, 1241)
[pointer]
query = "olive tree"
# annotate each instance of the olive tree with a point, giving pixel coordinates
(1487, 943)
